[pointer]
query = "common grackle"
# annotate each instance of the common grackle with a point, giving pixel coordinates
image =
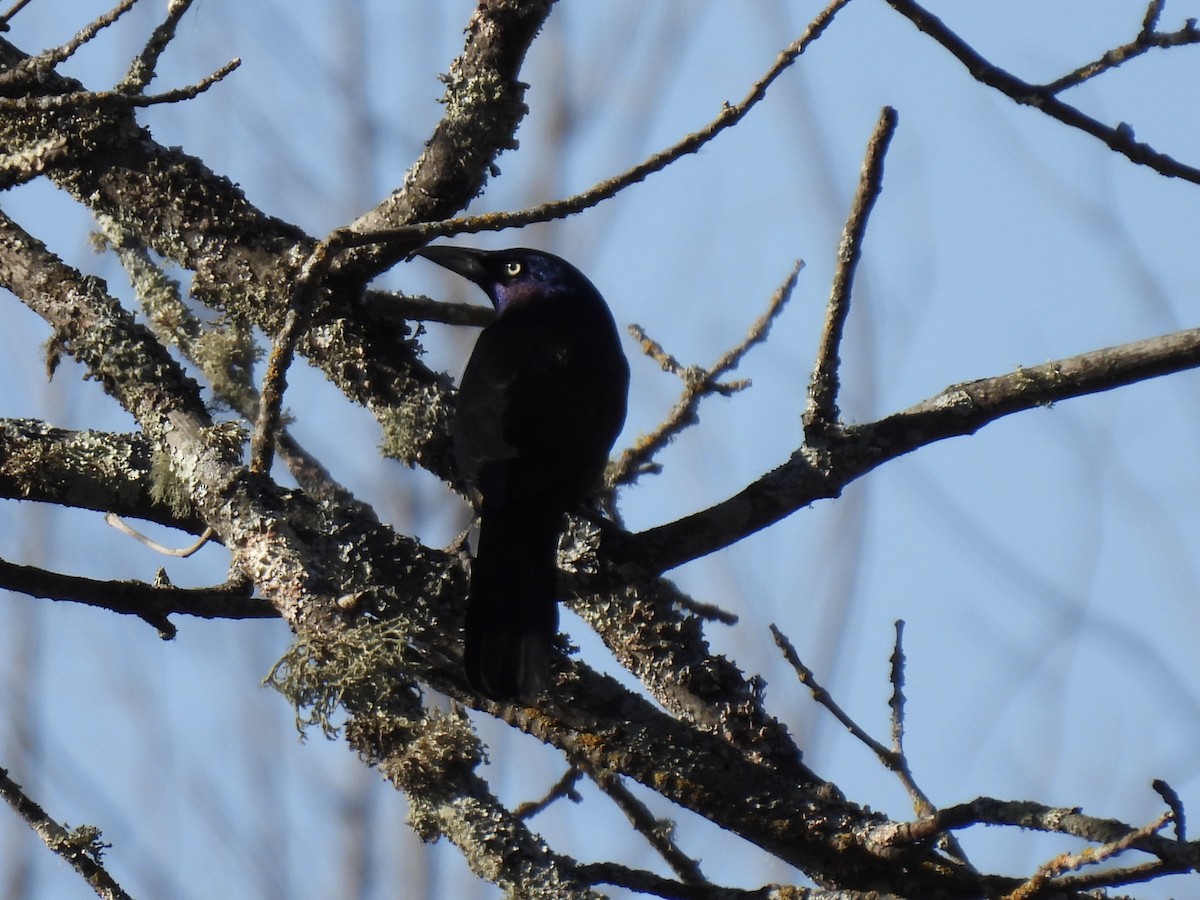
(539, 405)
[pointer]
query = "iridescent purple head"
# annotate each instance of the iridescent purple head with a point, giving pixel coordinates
(511, 277)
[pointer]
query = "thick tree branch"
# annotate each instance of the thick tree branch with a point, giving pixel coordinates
(484, 106)
(137, 371)
(94, 470)
(315, 565)
(244, 261)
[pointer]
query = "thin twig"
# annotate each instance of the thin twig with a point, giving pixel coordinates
(1076, 885)
(698, 384)
(48, 59)
(821, 415)
(1044, 878)
(1150, 20)
(270, 406)
(893, 759)
(81, 847)
(142, 69)
(1037, 817)
(1171, 798)
(419, 234)
(117, 98)
(658, 832)
(897, 700)
(12, 11)
(921, 803)
(822, 696)
(1147, 39)
(122, 526)
(641, 881)
(564, 787)
(151, 602)
(1119, 139)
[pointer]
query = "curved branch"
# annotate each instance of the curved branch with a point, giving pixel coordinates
(485, 103)
(1043, 98)
(959, 410)
(396, 242)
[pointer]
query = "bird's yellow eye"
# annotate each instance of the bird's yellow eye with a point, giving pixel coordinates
(513, 268)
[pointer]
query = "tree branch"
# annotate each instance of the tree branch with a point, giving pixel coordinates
(1147, 39)
(959, 410)
(151, 602)
(94, 470)
(1119, 138)
(397, 242)
(821, 416)
(485, 103)
(698, 384)
(80, 847)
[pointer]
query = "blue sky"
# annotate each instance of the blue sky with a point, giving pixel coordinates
(1045, 567)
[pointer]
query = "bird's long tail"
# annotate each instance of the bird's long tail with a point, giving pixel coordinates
(512, 615)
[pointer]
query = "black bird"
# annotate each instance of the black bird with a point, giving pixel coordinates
(540, 403)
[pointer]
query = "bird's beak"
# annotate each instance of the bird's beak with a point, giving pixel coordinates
(460, 260)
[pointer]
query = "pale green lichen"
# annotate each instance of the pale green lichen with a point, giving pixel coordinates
(165, 486)
(357, 669)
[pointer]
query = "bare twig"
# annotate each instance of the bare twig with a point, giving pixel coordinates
(658, 832)
(1148, 39)
(142, 69)
(698, 384)
(643, 882)
(1044, 878)
(564, 787)
(1090, 883)
(270, 407)
(922, 805)
(1171, 798)
(34, 66)
(1119, 138)
(822, 696)
(182, 552)
(1178, 855)
(151, 602)
(897, 700)
(81, 847)
(418, 234)
(12, 11)
(894, 759)
(116, 97)
(1150, 20)
(821, 415)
